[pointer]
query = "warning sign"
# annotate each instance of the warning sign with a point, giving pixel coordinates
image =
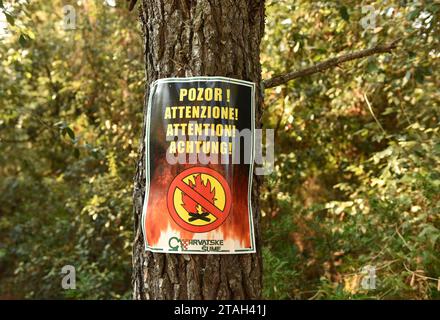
(199, 161)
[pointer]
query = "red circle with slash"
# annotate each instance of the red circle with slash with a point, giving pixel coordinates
(220, 215)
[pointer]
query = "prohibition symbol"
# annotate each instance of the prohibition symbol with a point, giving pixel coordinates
(199, 199)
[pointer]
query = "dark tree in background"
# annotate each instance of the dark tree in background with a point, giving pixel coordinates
(198, 38)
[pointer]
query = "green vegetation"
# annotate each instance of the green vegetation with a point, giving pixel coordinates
(357, 171)
(71, 115)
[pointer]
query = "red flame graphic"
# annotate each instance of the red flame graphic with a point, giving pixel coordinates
(205, 190)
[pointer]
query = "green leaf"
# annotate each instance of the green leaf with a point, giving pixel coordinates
(406, 78)
(23, 40)
(60, 124)
(344, 13)
(372, 67)
(70, 133)
(413, 14)
(1, 4)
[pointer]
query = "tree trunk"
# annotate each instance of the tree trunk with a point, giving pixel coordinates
(198, 38)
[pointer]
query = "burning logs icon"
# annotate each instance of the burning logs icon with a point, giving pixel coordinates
(199, 199)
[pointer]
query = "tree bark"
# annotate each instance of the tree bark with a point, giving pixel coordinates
(198, 38)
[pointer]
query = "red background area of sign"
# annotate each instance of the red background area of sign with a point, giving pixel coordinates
(220, 215)
(157, 220)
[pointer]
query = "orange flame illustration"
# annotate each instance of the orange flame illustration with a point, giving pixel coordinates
(205, 190)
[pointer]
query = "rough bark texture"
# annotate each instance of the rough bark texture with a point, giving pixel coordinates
(191, 38)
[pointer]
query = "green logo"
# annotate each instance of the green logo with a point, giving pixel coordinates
(174, 243)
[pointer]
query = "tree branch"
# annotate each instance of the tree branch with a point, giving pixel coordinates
(327, 64)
